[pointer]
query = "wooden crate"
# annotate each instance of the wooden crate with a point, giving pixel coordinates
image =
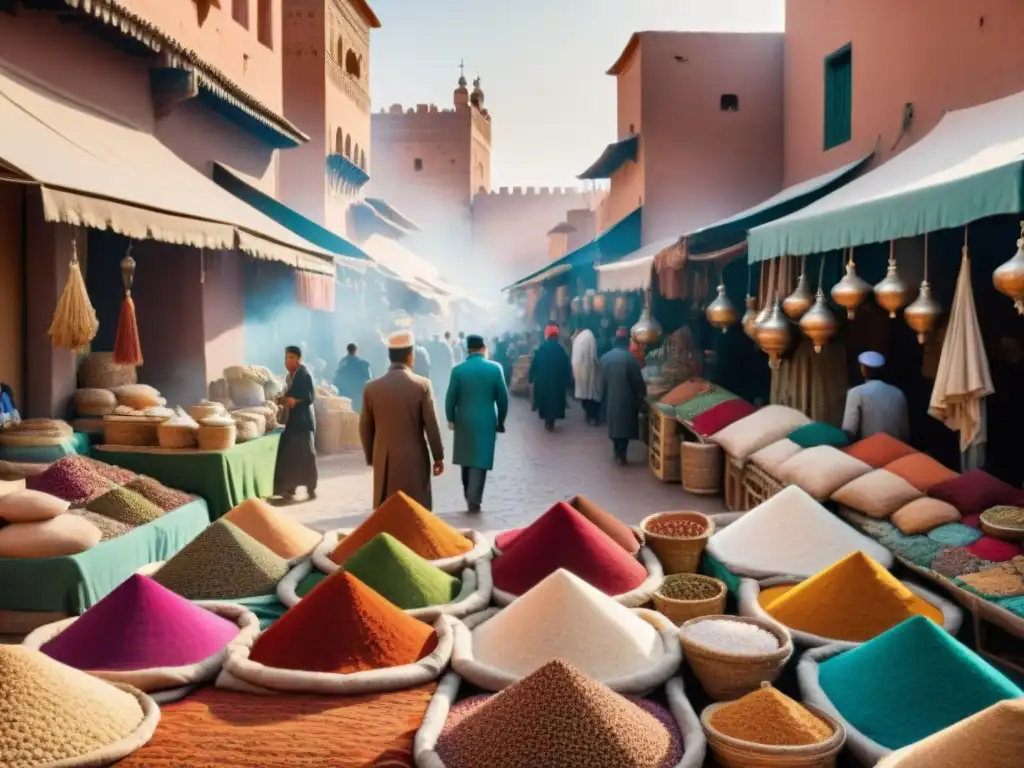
(663, 449)
(734, 494)
(758, 486)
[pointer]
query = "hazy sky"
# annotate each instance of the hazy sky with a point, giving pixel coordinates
(542, 63)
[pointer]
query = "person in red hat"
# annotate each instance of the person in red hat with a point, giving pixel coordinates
(550, 375)
(623, 390)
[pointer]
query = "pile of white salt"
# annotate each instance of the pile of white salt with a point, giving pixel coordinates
(735, 637)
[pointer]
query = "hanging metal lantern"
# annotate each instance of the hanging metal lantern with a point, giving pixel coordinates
(851, 291)
(720, 312)
(1009, 278)
(647, 330)
(599, 303)
(799, 301)
(749, 320)
(818, 323)
(574, 305)
(773, 335)
(923, 314)
(620, 308)
(588, 301)
(892, 293)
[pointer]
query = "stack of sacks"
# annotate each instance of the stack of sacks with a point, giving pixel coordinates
(564, 538)
(921, 471)
(144, 635)
(971, 494)
(621, 533)
(821, 470)
(877, 493)
(342, 638)
(397, 573)
(718, 417)
(408, 521)
(993, 738)
(54, 715)
(222, 563)
(903, 686)
(879, 450)
(139, 397)
(790, 534)
(744, 438)
(35, 524)
(249, 425)
(563, 617)
(772, 456)
(285, 537)
(78, 480)
(558, 716)
(849, 602)
(244, 386)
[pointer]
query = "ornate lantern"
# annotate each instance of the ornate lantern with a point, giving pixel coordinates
(720, 312)
(647, 330)
(818, 323)
(1009, 278)
(749, 320)
(851, 291)
(923, 313)
(600, 303)
(801, 299)
(892, 293)
(773, 335)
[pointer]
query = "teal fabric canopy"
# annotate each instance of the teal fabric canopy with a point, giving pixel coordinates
(733, 230)
(971, 166)
(615, 155)
(388, 211)
(611, 245)
(287, 217)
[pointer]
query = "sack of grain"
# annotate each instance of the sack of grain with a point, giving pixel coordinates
(246, 429)
(337, 431)
(745, 437)
(273, 387)
(234, 372)
(138, 396)
(245, 392)
(98, 371)
(94, 402)
(218, 392)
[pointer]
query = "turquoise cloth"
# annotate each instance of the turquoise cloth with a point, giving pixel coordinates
(920, 550)
(267, 608)
(712, 566)
(73, 584)
(955, 535)
(819, 433)
(76, 445)
(1014, 605)
(910, 682)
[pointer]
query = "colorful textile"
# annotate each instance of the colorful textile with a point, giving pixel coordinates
(975, 491)
(879, 450)
(955, 535)
(921, 471)
(702, 402)
(994, 550)
(720, 416)
(818, 433)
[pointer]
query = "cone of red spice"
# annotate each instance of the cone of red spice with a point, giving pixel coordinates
(342, 626)
(621, 533)
(563, 538)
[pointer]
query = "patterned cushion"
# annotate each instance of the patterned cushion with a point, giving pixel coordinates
(716, 419)
(692, 408)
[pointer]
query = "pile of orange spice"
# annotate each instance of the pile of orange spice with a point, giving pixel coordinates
(767, 716)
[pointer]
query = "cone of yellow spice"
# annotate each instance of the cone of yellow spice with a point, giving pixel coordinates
(854, 600)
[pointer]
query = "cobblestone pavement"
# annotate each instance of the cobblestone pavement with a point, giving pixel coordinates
(533, 469)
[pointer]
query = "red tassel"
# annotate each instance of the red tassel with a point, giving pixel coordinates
(127, 347)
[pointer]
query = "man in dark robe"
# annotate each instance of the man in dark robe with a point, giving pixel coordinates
(550, 374)
(352, 375)
(623, 390)
(296, 453)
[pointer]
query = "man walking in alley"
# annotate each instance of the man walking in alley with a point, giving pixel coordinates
(476, 407)
(296, 453)
(550, 373)
(398, 427)
(623, 390)
(352, 375)
(586, 374)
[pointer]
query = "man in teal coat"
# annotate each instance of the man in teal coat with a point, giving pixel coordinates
(476, 407)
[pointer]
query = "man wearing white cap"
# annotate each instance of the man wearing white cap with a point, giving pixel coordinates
(875, 406)
(398, 427)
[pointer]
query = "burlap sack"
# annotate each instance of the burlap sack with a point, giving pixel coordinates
(474, 596)
(240, 673)
(867, 751)
(632, 599)
(166, 684)
(638, 683)
(952, 615)
(694, 742)
(481, 549)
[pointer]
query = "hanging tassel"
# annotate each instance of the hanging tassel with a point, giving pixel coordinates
(127, 347)
(74, 323)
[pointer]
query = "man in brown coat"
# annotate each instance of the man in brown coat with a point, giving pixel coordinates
(397, 423)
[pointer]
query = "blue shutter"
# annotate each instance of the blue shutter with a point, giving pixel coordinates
(838, 97)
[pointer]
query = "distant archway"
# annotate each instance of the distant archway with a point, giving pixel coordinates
(355, 154)
(339, 50)
(353, 65)
(362, 159)
(348, 146)
(339, 141)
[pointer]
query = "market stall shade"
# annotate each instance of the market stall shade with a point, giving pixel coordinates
(563, 538)
(400, 575)
(854, 600)
(141, 625)
(274, 530)
(910, 683)
(789, 534)
(621, 533)
(51, 713)
(412, 524)
(222, 563)
(342, 626)
(559, 716)
(565, 618)
(769, 717)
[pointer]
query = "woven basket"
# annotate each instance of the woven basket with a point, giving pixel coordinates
(176, 436)
(735, 753)
(702, 468)
(727, 676)
(680, 611)
(216, 438)
(759, 486)
(678, 555)
(136, 431)
(94, 402)
(98, 371)
(200, 412)
(1005, 532)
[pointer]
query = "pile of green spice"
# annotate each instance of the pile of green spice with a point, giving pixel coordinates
(1007, 517)
(687, 586)
(397, 573)
(125, 506)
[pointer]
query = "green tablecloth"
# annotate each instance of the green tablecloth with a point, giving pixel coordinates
(73, 584)
(224, 478)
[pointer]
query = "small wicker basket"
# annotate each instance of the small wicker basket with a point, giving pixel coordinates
(679, 554)
(679, 610)
(176, 436)
(727, 676)
(94, 402)
(205, 411)
(702, 468)
(136, 431)
(98, 371)
(1000, 530)
(736, 753)
(216, 438)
